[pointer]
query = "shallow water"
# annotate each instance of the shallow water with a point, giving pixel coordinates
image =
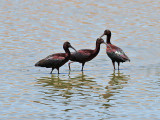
(31, 30)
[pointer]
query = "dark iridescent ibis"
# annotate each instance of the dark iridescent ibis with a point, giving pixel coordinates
(85, 55)
(115, 53)
(56, 60)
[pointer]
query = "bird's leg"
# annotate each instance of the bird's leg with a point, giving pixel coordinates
(113, 62)
(82, 66)
(69, 65)
(118, 65)
(58, 70)
(51, 70)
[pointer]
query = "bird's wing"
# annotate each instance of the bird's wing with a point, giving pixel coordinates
(86, 52)
(58, 56)
(81, 55)
(51, 60)
(119, 52)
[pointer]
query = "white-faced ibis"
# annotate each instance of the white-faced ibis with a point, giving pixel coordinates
(56, 60)
(85, 55)
(115, 53)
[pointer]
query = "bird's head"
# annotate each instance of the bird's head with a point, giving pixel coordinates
(100, 40)
(68, 45)
(106, 32)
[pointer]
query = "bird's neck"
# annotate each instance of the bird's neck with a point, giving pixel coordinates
(108, 39)
(67, 52)
(97, 49)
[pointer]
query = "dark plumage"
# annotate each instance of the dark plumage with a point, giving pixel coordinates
(115, 53)
(56, 60)
(85, 55)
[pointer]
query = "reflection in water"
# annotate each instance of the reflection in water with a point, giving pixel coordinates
(53, 84)
(65, 87)
(54, 81)
(117, 82)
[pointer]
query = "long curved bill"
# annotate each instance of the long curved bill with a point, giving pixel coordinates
(101, 36)
(107, 45)
(104, 42)
(73, 48)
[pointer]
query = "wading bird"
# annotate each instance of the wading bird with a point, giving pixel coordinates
(56, 60)
(115, 53)
(85, 55)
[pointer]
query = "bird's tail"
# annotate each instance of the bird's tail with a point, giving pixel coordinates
(129, 60)
(39, 63)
